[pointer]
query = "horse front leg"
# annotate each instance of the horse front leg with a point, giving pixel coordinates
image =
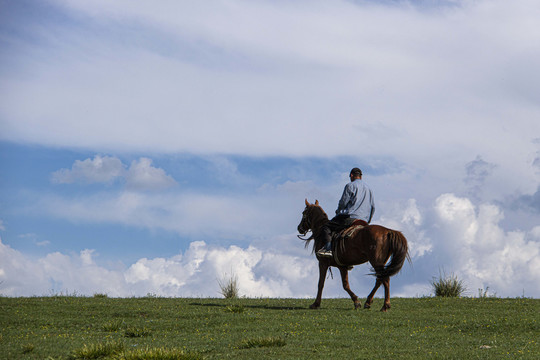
(323, 268)
(345, 281)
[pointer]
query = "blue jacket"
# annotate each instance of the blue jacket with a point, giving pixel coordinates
(357, 201)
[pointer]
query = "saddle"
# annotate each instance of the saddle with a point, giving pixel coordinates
(349, 231)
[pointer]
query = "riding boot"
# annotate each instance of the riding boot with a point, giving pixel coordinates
(326, 250)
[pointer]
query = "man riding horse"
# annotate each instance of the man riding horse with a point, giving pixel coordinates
(385, 249)
(355, 206)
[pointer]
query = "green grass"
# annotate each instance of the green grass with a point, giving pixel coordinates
(262, 342)
(98, 351)
(448, 286)
(113, 325)
(74, 327)
(137, 332)
(229, 286)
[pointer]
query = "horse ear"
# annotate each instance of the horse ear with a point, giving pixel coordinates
(307, 204)
(317, 202)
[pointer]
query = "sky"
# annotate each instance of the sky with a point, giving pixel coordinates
(160, 147)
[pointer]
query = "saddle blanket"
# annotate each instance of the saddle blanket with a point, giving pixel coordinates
(351, 230)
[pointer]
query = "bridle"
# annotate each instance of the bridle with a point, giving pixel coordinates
(305, 219)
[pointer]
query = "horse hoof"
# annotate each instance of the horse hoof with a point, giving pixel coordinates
(357, 306)
(367, 306)
(314, 307)
(385, 308)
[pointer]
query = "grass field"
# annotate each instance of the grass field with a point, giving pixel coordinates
(72, 327)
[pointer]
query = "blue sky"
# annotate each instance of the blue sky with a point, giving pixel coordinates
(154, 147)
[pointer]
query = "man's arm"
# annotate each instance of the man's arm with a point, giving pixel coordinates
(345, 198)
(372, 202)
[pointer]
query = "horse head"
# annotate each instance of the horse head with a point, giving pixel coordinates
(309, 215)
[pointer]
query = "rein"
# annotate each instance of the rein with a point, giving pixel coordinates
(305, 239)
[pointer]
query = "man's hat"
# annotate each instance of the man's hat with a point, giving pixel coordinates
(356, 171)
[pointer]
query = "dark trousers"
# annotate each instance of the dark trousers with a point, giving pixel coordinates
(338, 223)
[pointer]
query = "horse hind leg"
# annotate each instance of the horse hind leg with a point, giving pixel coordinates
(345, 282)
(386, 283)
(378, 283)
(369, 299)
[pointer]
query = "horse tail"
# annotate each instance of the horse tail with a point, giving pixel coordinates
(399, 251)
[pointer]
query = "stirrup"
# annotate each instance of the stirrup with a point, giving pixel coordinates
(324, 253)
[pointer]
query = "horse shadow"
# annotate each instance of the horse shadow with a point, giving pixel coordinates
(265, 307)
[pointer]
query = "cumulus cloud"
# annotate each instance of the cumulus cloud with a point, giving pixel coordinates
(470, 240)
(407, 217)
(454, 235)
(193, 273)
(55, 273)
(140, 175)
(100, 169)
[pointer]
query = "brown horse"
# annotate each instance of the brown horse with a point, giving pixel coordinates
(372, 243)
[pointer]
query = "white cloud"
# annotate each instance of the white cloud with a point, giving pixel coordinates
(250, 213)
(421, 88)
(194, 273)
(425, 90)
(407, 218)
(454, 233)
(22, 275)
(231, 216)
(396, 79)
(455, 236)
(141, 175)
(470, 240)
(97, 170)
(429, 90)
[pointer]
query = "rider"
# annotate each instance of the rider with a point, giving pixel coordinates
(355, 203)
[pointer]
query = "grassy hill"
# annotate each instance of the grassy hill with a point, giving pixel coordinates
(64, 327)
